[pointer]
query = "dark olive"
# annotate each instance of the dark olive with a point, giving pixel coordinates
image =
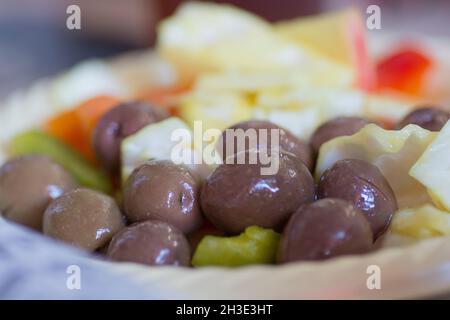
(236, 196)
(342, 126)
(287, 141)
(365, 187)
(324, 229)
(117, 124)
(430, 118)
(152, 243)
(161, 190)
(83, 217)
(27, 185)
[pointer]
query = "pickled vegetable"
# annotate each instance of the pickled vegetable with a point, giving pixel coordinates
(404, 71)
(254, 246)
(41, 143)
(422, 222)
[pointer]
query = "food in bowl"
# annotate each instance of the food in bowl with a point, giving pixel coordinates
(181, 173)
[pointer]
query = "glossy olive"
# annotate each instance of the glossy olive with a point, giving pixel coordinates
(236, 196)
(161, 190)
(365, 187)
(27, 185)
(342, 126)
(324, 229)
(117, 124)
(286, 140)
(152, 243)
(430, 118)
(84, 218)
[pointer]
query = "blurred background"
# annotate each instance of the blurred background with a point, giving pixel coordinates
(35, 42)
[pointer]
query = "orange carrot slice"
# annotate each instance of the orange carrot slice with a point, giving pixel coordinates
(76, 126)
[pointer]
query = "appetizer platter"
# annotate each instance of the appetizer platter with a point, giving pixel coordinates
(361, 187)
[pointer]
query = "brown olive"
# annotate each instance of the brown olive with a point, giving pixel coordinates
(324, 229)
(27, 185)
(430, 118)
(117, 124)
(365, 187)
(236, 196)
(152, 243)
(83, 217)
(161, 190)
(342, 126)
(287, 141)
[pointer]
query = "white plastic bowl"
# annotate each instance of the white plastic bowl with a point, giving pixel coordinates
(417, 270)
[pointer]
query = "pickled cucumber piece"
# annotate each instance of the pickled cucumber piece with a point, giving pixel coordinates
(37, 142)
(254, 246)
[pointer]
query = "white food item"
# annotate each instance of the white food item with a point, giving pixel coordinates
(158, 141)
(394, 152)
(84, 81)
(433, 168)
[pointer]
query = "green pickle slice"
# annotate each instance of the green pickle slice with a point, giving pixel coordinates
(38, 142)
(254, 246)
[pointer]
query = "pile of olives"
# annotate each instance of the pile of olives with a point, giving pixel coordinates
(164, 206)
